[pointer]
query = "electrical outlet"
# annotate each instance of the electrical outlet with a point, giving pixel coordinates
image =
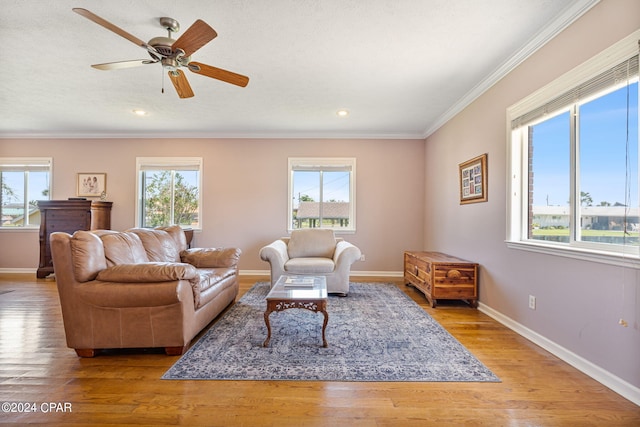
(362, 258)
(532, 302)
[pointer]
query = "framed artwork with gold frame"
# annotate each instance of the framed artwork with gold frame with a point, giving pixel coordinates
(473, 180)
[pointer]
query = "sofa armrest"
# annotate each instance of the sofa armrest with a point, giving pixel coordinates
(125, 295)
(148, 272)
(211, 257)
(346, 253)
(275, 253)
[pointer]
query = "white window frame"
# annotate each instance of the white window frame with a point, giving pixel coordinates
(167, 163)
(24, 164)
(517, 167)
(311, 163)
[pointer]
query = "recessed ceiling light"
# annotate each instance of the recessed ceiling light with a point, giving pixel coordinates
(342, 113)
(138, 112)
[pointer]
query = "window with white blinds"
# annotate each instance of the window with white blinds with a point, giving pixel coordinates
(573, 150)
(322, 193)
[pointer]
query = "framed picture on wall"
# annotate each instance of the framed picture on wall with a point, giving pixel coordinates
(473, 180)
(91, 184)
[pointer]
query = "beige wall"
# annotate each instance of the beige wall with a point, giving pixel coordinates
(245, 190)
(579, 303)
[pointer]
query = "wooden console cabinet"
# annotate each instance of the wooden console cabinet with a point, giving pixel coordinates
(441, 276)
(68, 216)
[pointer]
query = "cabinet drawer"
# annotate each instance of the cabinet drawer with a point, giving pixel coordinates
(454, 275)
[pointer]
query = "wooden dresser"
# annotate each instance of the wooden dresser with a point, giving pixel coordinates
(441, 276)
(68, 216)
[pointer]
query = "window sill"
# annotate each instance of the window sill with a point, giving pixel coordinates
(19, 229)
(619, 259)
(335, 231)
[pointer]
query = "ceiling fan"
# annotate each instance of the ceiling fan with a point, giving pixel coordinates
(171, 53)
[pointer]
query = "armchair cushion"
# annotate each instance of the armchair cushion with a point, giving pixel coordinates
(309, 265)
(148, 272)
(211, 257)
(311, 243)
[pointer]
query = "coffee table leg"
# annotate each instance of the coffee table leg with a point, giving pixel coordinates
(266, 321)
(324, 328)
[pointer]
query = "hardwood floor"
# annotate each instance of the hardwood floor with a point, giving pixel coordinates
(38, 371)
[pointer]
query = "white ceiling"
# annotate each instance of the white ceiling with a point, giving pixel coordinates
(401, 67)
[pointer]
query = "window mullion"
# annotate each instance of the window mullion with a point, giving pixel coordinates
(25, 202)
(172, 203)
(574, 173)
(321, 202)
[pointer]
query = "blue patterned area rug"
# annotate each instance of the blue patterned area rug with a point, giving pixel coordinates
(377, 333)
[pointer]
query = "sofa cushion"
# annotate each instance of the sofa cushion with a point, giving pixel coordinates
(309, 265)
(87, 255)
(177, 233)
(158, 244)
(211, 283)
(211, 257)
(148, 272)
(123, 248)
(311, 243)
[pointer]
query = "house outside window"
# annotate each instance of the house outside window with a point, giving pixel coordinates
(574, 161)
(23, 181)
(169, 192)
(322, 193)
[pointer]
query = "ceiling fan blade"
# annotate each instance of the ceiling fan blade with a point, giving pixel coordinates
(219, 74)
(180, 82)
(196, 36)
(123, 64)
(114, 28)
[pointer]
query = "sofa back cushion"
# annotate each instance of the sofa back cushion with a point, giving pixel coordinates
(159, 245)
(311, 243)
(177, 233)
(123, 248)
(87, 255)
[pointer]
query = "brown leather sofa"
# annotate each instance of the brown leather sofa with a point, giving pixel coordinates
(141, 288)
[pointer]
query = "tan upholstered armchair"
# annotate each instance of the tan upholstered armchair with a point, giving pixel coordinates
(316, 252)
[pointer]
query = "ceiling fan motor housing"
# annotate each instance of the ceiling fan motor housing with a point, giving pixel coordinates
(169, 58)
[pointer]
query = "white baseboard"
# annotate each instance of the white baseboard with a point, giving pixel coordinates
(19, 270)
(606, 378)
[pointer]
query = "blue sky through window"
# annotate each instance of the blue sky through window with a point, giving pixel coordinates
(605, 162)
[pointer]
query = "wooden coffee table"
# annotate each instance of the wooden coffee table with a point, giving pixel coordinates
(308, 292)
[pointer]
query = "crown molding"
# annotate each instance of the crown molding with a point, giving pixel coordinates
(546, 34)
(212, 135)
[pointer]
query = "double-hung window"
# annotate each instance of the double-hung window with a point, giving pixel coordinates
(23, 181)
(574, 161)
(169, 191)
(322, 193)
